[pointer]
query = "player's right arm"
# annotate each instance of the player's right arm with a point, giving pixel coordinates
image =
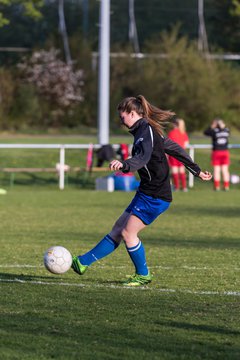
(143, 148)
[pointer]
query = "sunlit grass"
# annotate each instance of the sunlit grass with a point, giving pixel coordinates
(190, 311)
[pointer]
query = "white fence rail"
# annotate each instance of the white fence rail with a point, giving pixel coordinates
(192, 148)
(63, 147)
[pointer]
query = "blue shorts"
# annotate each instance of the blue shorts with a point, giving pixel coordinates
(146, 207)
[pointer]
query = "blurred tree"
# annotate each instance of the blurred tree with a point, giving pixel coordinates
(152, 17)
(30, 8)
(182, 81)
(55, 81)
(223, 26)
(7, 88)
(236, 8)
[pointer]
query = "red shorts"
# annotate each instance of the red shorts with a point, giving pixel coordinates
(174, 162)
(220, 157)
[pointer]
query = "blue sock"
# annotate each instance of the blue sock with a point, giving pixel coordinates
(137, 255)
(102, 249)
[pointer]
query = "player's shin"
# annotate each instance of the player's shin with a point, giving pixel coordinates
(105, 247)
(138, 257)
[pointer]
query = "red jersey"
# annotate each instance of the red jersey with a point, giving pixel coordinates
(179, 137)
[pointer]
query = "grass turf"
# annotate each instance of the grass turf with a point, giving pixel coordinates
(190, 311)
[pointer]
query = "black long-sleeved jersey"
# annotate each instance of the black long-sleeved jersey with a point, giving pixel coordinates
(149, 159)
(219, 137)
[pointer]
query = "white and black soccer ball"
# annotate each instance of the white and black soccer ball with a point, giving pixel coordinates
(57, 259)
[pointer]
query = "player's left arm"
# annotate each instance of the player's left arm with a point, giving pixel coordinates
(205, 176)
(175, 150)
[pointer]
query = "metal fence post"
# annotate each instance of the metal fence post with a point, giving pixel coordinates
(62, 165)
(191, 177)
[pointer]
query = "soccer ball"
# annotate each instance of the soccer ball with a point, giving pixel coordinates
(235, 179)
(57, 260)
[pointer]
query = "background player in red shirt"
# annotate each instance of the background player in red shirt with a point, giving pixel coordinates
(179, 135)
(220, 153)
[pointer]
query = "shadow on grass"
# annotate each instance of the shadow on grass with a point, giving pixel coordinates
(178, 241)
(104, 333)
(104, 325)
(219, 211)
(200, 327)
(87, 240)
(169, 240)
(8, 277)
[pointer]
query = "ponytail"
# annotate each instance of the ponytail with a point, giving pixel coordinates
(156, 117)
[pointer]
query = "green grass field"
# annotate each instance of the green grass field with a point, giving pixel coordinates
(190, 311)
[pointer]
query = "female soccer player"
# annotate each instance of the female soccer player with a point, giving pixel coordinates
(145, 122)
(179, 135)
(220, 153)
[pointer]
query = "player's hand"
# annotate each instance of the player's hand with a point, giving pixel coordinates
(115, 165)
(206, 175)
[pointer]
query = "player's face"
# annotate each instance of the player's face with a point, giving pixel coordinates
(124, 118)
(127, 119)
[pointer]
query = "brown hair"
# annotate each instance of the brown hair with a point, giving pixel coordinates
(156, 117)
(180, 124)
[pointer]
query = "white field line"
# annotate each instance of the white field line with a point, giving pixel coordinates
(184, 291)
(19, 266)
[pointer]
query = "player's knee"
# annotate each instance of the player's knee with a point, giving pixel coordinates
(125, 235)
